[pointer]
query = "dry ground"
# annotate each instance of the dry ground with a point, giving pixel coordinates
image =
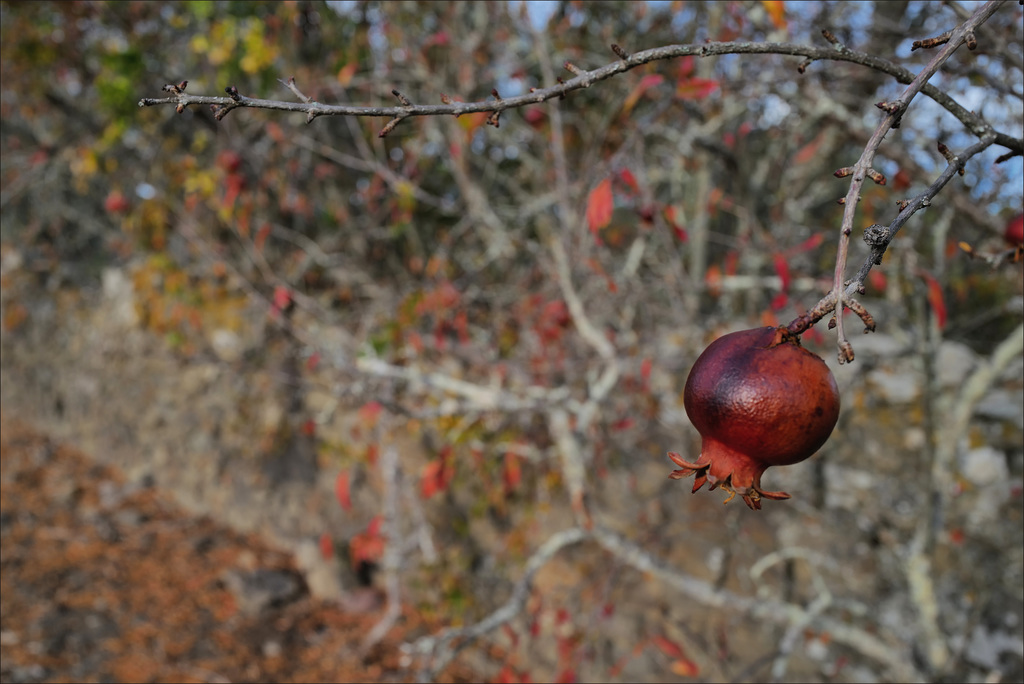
(105, 581)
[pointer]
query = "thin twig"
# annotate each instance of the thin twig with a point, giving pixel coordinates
(895, 110)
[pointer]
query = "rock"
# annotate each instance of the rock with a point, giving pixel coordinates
(1002, 404)
(984, 466)
(227, 345)
(954, 362)
(120, 293)
(895, 387)
(323, 577)
(260, 589)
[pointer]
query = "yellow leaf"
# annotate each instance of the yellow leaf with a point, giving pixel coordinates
(777, 11)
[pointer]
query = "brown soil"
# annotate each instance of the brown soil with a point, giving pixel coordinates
(107, 581)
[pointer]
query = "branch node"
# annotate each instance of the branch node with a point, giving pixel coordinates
(890, 107)
(220, 111)
(177, 89)
(389, 126)
(858, 308)
(971, 40)
(401, 98)
(232, 92)
(929, 43)
(290, 85)
(845, 352)
(622, 54)
(802, 67)
(843, 172)
(877, 177)
(830, 37)
(576, 71)
(951, 157)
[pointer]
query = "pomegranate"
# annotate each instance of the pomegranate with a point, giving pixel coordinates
(758, 399)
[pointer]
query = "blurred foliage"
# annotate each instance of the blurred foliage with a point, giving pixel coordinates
(429, 248)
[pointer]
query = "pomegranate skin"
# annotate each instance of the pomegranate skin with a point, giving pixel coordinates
(758, 399)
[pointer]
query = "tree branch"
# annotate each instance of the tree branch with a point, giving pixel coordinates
(585, 79)
(862, 170)
(439, 650)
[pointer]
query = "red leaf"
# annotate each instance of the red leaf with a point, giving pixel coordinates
(713, 279)
(646, 83)
(878, 281)
(629, 179)
(686, 67)
(695, 88)
(367, 546)
(513, 472)
(436, 475)
(732, 261)
(261, 236)
(373, 528)
(645, 371)
(935, 298)
(600, 205)
(326, 546)
(651, 80)
(439, 38)
(506, 676)
(779, 301)
(668, 647)
(341, 490)
(782, 268)
(809, 244)
(369, 413)
(808, 151)
(670, 216)
(901, 181)
(282, 297)
(116, 203)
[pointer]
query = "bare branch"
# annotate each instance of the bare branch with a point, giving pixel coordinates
(862, 169)
(439, 650)
(585, 79)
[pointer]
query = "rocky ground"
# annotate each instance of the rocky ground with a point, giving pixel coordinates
(104, 580)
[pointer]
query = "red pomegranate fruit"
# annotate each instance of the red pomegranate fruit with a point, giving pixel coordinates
(758, 399)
